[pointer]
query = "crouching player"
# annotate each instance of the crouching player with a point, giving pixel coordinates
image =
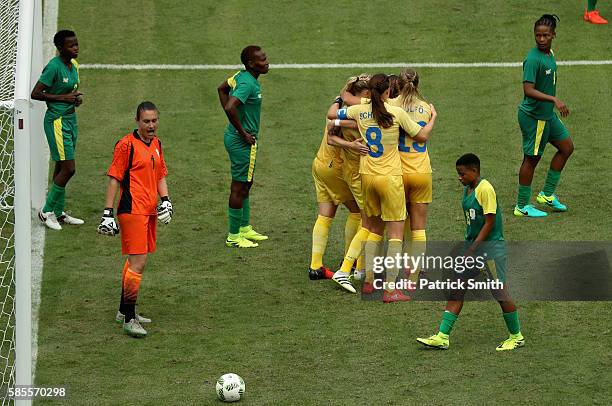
(484, 229)
(139, 171)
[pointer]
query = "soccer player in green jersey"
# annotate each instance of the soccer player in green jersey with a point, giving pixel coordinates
(591, 14)
(540, 124)
(240, 97)
(57, 87)
(484, 232)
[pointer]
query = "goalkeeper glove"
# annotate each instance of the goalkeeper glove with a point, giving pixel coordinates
(108, 226)
(164, 210)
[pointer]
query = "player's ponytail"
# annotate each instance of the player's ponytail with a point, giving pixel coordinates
(409, 78)
(378, 85)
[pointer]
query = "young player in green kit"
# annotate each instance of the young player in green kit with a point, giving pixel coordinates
(484, 232)
(57, 87)
(540, 124)
(240, 97)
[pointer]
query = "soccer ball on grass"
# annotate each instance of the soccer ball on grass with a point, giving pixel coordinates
(230, 388)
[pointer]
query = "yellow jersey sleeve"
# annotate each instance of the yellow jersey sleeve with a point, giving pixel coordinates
(404, 120)
(485, 194)
(231, 81)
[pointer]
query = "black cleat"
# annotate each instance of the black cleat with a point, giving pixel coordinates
(316, 274)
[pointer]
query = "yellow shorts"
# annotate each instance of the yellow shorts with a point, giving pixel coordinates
(384, 196)
(329, 185)
(352, 177)
(418, 187)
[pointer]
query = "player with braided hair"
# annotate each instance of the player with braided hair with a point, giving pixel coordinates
(381, 175)
(540, 124)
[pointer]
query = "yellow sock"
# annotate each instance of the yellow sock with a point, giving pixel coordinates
(370, 250)
(354, 250)
(394, 248)
(407, 231)
(418, 247)
(353, 224)
(320, 231)
(360, 263)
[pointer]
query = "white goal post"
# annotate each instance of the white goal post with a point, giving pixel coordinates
(23, 179)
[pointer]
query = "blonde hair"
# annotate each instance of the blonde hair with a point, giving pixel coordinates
(357, 84)
(409, 80)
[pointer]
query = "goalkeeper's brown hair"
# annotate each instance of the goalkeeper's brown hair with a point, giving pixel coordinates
(145, 106)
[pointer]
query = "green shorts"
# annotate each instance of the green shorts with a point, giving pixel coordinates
(537, 133)
(242, 157)
(61, 135)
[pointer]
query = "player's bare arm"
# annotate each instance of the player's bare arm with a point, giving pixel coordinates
(530, 91)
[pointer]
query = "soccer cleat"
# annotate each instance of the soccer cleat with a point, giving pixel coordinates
(120, 318)
(240, 242)
(395, 296)
(321, 273)
(367, 288)
(49, 219)
(68, 219)
(342, 279)
(439, 341)
(593, 17)
(134, 329)
(512, 342)
(529, 211)
(250, 234)
(551, 201)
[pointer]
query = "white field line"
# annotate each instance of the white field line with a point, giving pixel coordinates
(102, 66)
(49, 28)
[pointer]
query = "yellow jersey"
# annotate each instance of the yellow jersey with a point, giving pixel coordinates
(384, 157)
(414, 155)
(328, 154)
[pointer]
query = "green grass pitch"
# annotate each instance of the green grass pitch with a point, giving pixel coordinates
(255, 313)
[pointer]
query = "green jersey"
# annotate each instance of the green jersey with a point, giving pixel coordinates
(541, 70)
(246, 89)
(59, 79)
(480, 201)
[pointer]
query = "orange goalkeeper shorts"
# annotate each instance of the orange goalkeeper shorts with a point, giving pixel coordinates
(138, 233)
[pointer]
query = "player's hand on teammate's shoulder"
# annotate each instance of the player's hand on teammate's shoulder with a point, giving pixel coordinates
(165, 210)
(108, 225)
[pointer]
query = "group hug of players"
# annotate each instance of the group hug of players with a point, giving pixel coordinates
(373, 159)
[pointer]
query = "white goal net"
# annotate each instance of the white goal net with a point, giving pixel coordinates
(8, 50)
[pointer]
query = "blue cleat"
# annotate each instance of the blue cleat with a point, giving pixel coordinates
(551, 201)
(529, 211)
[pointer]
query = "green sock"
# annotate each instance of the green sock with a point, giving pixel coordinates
(448, 321)
(234, 216)
(524, 195)
(60, 203)
(246, 213)
(52, 197)
(592, 5)
(552, 180)
(512, 322)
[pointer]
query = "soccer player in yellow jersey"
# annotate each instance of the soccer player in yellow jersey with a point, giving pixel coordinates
(352, 148)
(381, 176)
(331, 189)
(416, 166)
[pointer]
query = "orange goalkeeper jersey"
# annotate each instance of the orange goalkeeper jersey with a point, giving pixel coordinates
(138, 167)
